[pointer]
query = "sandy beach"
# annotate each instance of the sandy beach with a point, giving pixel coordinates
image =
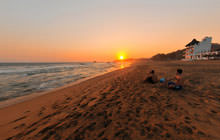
(119, 106)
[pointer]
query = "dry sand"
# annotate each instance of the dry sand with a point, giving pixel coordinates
(118, 105)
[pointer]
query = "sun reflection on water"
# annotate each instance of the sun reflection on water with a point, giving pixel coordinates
(122, 66)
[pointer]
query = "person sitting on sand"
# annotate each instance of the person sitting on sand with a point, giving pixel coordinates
(152, 78)
(177, 82)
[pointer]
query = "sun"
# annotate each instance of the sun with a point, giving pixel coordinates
(121, 57)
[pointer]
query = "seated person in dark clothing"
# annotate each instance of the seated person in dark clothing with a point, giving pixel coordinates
(152, 78)
(177, 82)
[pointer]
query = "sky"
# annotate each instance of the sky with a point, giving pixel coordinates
(88, 30)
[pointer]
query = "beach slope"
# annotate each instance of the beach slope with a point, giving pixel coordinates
(118, 105)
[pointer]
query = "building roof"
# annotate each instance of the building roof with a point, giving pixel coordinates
(193, 42)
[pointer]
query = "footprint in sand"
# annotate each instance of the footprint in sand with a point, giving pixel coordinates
(107, 123)
(213, 111)
(21, 118)
(19, 126)
(153, 98)
(200, 133)
(101, 134)
(84, 105)
(41, 111)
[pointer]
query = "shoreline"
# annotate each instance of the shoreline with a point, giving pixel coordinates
(118, 105)
(20, 99)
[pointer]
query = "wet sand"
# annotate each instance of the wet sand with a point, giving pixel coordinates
(118, 105)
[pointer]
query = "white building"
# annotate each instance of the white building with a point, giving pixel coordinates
(196, 50)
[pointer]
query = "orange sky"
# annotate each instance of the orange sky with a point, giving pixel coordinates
(76, 31)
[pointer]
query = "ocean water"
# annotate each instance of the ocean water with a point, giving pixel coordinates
(19, 79)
